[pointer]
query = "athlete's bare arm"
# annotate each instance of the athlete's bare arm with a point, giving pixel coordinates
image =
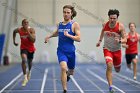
(101, 36)
(54, 34)
(76, 28)
(14, 36)
(32, 36)
(138, 37)
(123, 34)
(124, 45)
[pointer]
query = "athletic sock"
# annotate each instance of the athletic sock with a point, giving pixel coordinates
(25, 76)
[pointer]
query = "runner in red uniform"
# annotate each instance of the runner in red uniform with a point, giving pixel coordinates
(27, 48)
(113, 33)
(131, 52)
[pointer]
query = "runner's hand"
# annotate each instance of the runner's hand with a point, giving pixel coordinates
(117, 39)
(16, 44)
(98, 44)
(47, 39)
(66, 33)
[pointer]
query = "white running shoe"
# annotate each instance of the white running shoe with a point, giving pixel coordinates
(24, 82)
(135, 78)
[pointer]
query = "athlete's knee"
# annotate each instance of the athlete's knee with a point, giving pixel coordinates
(135, 62)
(109, 65)
(24, 60)
(63, 68)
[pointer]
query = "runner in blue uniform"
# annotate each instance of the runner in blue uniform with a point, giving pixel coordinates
(67, 31)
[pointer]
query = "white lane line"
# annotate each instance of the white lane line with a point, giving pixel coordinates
(44, 81)
(100, 78)
(54, 80)
(131, 71)
(126, 78)
(74, 81)
(126, 81)
(13, 86)
(18, 76)
(90, 81)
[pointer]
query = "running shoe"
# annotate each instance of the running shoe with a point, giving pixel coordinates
(68, 76)
(111, 90)
(65, 91)
(135, 78)
(24, 82)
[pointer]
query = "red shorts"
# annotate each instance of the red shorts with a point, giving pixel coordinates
(114, 57)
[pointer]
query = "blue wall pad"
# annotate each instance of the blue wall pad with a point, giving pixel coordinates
(2, 39)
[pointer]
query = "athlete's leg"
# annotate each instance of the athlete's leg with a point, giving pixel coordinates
(135, 68)
(23, 64)
(129, 66)
(109, 62)
(69, 72)
(29, 68)
(30, 59)
(29, 64)
(70, 64)
(63, 66)
(128, 60)
(109, 73)
(117, 60)
(62, 58)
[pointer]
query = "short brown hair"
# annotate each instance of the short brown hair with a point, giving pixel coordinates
(132, 23)
(74, 13)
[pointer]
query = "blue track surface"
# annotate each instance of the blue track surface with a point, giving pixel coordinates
(88, 78)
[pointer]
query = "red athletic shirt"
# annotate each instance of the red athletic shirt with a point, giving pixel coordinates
(109, 37)
(132, 42)
(25, 41)
(115, 29)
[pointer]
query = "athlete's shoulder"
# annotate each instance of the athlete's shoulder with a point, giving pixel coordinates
(31, 28)
(75, 23)
(104, 24)
(17, 29)
(138, 35)
(121, 26)
(20, 28)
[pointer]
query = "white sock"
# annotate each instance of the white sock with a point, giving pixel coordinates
(25, 76)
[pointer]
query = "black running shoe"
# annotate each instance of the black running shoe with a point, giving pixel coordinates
(65, 91)
(68, 76)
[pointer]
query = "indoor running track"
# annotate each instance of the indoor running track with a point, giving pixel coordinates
(88, 78)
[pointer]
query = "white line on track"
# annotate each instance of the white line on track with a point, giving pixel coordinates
(100, 78)
(131, 71)
(44, 81)
(90, 81)
(74, 81)
(10, 83)
(54, 80)
(126, 78)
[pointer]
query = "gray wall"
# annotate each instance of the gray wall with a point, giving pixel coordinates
(50, 11)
